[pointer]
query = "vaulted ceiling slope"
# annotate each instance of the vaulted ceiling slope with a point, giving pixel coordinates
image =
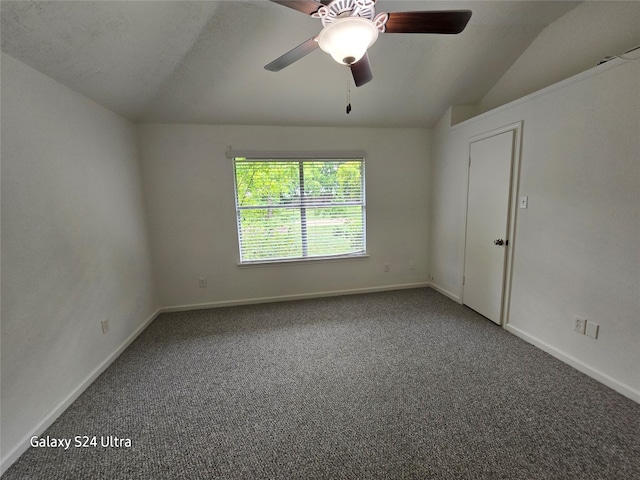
(202, 62)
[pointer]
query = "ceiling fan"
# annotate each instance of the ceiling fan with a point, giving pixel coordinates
(350, 27)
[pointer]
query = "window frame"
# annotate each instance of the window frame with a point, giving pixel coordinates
(303, 206)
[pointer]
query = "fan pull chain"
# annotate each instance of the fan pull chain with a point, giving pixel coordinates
(348, 91)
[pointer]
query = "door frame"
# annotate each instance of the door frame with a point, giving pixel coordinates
(512, 214)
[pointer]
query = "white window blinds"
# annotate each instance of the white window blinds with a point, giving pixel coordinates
(299, 209)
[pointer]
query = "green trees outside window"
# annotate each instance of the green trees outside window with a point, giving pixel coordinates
(296, 209)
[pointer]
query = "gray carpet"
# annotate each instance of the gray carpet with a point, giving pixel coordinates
(403, 384)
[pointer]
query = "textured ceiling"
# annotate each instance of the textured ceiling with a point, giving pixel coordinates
(202, 62)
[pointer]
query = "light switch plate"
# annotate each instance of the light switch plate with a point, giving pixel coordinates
(524, 202)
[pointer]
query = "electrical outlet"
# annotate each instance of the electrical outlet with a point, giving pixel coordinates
(202, 282)
(387, 267)
(579, 324)
(105, 326)
(412, 265)
(592, 329)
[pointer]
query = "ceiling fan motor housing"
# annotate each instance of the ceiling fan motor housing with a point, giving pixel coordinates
(346, 8)
(339, 9)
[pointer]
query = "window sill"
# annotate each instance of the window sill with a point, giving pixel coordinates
(298, 261)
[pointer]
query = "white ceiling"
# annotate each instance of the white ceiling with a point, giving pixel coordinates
(202, 62)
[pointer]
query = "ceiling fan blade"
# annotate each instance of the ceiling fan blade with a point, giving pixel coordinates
(361, 71)
(304, 6)
(293, 55)
(443, 21)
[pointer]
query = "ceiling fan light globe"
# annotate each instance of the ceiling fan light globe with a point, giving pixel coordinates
(347, 39)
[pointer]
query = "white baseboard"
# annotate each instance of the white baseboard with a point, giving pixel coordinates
(601, 377)
(298, 296)
(446, 293)
(46, 422)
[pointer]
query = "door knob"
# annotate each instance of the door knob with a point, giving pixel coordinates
(498, 242)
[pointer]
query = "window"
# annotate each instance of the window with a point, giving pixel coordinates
(295, 209)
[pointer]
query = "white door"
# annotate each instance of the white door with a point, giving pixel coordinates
(487, 224)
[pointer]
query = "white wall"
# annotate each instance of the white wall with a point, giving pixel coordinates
(575, 42)
(74, 247)
(577, 246)
(189, 189)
